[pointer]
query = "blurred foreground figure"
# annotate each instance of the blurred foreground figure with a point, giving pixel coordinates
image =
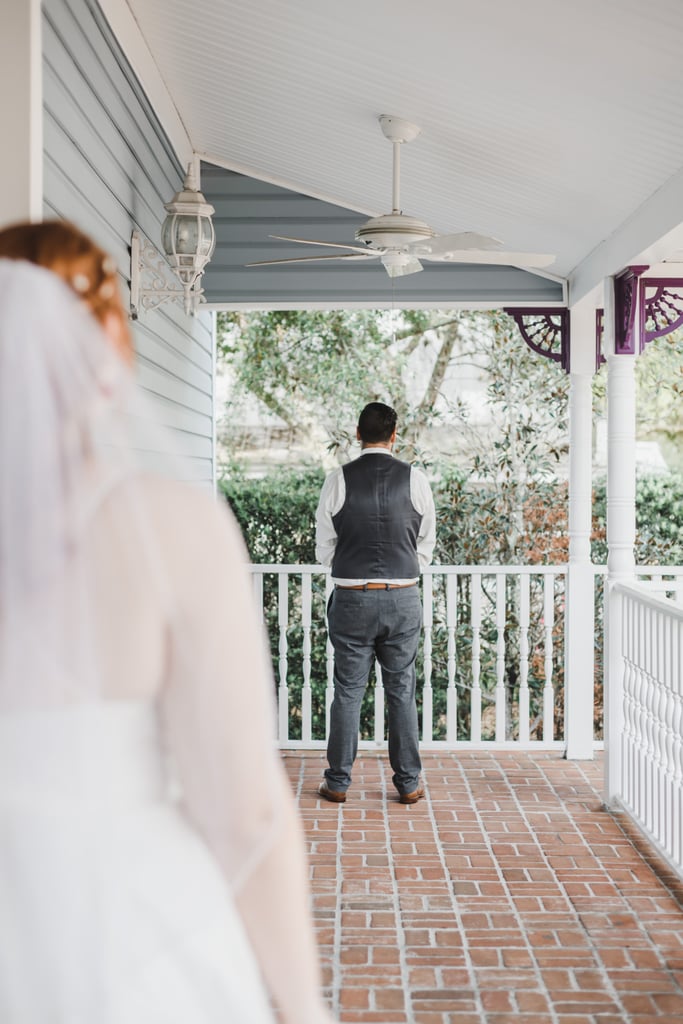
(151, 862)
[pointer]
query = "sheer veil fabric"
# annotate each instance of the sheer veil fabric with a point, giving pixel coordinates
(134, 691)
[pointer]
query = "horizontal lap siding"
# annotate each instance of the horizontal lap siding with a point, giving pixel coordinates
(109, 168)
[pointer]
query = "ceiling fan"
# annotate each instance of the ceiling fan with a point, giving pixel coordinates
(401, 242)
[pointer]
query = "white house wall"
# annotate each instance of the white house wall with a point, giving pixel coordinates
(109, 168)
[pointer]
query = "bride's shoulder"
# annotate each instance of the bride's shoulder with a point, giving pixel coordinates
(190, 515)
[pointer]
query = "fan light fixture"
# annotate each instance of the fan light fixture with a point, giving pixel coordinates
(188, 239)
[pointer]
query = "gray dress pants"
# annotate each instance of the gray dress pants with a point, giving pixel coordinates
(364, 625)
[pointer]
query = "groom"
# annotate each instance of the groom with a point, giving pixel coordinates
(375, 527)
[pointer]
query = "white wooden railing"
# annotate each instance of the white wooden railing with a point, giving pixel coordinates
(645, 709)
(482, 625)
(470, 651)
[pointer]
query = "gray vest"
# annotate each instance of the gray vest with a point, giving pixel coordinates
(378, 525)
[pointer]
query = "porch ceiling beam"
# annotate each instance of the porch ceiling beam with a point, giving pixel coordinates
(651, 234)
(133, 44)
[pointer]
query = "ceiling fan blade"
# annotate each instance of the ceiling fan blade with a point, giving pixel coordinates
(494, 258)
(441, 245)
(316, 259)
(330, 245)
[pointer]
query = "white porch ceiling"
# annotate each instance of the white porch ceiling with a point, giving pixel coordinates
(550, 125)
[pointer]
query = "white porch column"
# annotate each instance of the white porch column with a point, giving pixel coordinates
(21, 112)
(621, 535)
(579, 621)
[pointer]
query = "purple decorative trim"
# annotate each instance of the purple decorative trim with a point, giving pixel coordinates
(599, 327)
(625, 310)
(662, 310)
(546, 332)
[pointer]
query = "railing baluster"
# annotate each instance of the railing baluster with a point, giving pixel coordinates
(257, 590)
(475, 697)
(451, 626)
(283, 621)
(651, 784)
(677, 725)
(500, 656)
(653, 710)
(379, 704)
(306, 702)
(427, 692)
(524, 586)
(548, 624)
(329, 661)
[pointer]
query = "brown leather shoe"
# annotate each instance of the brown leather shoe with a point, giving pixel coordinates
(411, 798)
(335, 796)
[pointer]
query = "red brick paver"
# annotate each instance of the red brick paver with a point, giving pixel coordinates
(508, 895)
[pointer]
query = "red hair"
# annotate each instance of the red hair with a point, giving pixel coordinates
(61, 247)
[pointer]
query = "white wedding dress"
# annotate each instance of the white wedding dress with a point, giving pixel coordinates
(152, 935)
(116, 902)
(152, 864)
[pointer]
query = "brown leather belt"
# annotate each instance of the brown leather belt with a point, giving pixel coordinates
(375, 586)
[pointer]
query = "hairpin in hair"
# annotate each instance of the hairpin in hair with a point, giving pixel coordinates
(80, 283)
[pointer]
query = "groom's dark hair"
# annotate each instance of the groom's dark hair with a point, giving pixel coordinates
(376, 423)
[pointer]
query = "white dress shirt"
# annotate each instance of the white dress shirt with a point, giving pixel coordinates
(332, 498)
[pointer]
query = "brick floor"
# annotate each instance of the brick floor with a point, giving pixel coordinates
(507, 895)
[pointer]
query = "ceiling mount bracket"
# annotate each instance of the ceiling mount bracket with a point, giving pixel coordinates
(396, 129)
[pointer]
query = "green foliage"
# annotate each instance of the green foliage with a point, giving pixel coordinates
(475, 523)
(659, 390)
(277, 517)
(659, 520)
(313, 369)
(316, 370)
(277, 514)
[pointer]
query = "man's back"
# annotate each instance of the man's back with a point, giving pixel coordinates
(378, 525)
(375, 526)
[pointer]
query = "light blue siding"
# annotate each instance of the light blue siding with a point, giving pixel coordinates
(109, 168)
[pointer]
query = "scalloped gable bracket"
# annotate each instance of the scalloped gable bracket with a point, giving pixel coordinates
(545, 331)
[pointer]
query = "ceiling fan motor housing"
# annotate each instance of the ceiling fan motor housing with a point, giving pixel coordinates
(393, 231)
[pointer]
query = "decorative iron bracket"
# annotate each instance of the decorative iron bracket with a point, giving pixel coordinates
(545, 331)
(660, 311)
(152, 281)
(660, 307)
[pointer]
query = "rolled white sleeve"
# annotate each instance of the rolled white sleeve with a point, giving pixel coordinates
(332, 498)
(423, 502)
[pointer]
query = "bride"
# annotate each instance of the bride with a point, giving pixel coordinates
(151, 861)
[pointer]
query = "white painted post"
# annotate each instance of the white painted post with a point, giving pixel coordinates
(621, 534)
(579, 658)
(21, 112)
(621, 467)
